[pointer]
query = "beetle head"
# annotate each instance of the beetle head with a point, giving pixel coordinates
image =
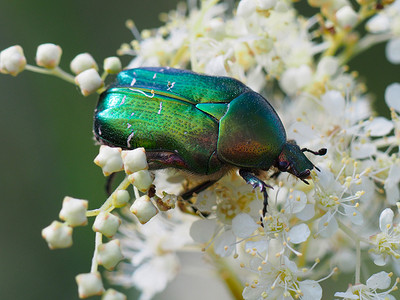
(293, 160)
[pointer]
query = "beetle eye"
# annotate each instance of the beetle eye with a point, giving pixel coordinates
(283, 165)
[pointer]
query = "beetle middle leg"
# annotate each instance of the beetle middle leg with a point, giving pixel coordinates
(256, 182)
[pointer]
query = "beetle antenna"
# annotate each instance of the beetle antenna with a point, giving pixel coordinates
(320, 152)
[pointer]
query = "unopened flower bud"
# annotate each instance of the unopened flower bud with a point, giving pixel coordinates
(89, 81)
(120, 198)
(89, 284)
(107, 224)
(246, 8)
(109, 160)
(74, 211)
(109, 254)
(82, 62)
(378, 24)
(134, 160)
(112, 294)
(143, 209)
(112, 65)
(346, 17)
(12, 60)
(142, 180)
(58, 235)
(48, 55)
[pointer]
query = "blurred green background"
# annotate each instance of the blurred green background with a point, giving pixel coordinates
(46, 130)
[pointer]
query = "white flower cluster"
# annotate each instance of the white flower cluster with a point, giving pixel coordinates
(299, 64)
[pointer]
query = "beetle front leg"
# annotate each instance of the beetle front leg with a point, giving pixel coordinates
(256, 182)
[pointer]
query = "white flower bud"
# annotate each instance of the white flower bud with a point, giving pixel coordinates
(58, 235)
(89, 284)
(143, 209)
(74, 211)
(112, 294)
(246, 8)
(109, 160)
(142, 180)
(266, 4)
(346, 17)
(120, 198)
(109, 254)
(89, 81)
(293, 79)
(48, 55)
(134, 160)
(82, 62)
(112, 65)
(12, 60)
(107, 224)
(378, 24)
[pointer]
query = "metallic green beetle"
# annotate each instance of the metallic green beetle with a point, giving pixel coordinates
(202, 124)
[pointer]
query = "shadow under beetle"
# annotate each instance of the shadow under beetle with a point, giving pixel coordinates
(205, 125)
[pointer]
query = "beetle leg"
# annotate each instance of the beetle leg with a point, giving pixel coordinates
(109, 182)
(197, 189)
(256, 182)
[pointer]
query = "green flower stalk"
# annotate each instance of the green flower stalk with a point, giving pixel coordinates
(344, 220)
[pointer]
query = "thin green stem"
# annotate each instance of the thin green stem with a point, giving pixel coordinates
(97, 242)
(58, 72)
(108, 203)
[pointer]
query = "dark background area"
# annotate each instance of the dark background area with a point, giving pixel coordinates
(46, 134)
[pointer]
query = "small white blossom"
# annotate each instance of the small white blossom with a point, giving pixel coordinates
(109, 254)
(280, 280)
(112, 294)
(387, 241)
(143, 209)
(134, 160)
(106, 223)
(48, 55)
(73, 211)
(89, 81)
(377, 281)
(112, 65)
(89, 284)
(58, 235)
(83, 62)
(12, 60)
(109, 159)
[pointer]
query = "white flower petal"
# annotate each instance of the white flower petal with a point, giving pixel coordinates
(296, 202)
(310, 289)
(354, 215)
(379, 280)
(202, 231)
(299, 233)
(333, 99)
(392, 96)
(307, 213)
(224, 243)
(379, 126)
(362, 150)
(378, 24)
(386, 219)
(327, 225)
(393, 51)
(243, 225)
